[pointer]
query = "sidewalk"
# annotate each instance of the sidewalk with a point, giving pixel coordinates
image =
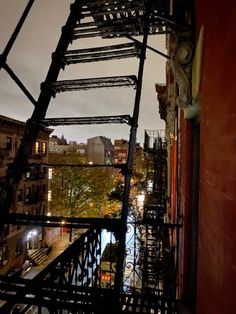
(57, 248)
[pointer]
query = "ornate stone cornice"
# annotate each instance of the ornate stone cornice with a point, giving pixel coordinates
(181, 61)
(162, 99)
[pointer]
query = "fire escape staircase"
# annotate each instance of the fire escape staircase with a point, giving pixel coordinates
(160, 252)
(55, 288)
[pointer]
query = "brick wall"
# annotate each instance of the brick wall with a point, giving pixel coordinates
(185, 194)
(216, 288)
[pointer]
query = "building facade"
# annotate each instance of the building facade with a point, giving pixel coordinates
(197, 104)
(31, 196)
(121, 151)
(100, 150)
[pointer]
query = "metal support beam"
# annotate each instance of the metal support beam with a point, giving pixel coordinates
(87, 120)
(4, 55)
(19, 83)
(149, 47)
(61, 221)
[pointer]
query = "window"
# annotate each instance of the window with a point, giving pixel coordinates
(36, 147)
(3, 255)
(19, 196)
(44, 148)
(49, 195)
(43, 188)
(18, 249)
(50, 173)
(8, 143)
(42, 172)
(6, 230)
(27, 195)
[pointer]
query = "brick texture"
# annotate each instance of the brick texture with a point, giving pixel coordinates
(216, 283)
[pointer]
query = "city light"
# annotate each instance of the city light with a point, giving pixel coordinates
(31, 234)
(140, 198)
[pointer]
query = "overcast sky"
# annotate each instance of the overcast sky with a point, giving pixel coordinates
(30, 58)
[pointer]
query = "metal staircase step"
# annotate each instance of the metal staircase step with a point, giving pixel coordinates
(91, 83)
(38, 256)
(107, 29)
(87, 120)
(112, 11)
(104, 53)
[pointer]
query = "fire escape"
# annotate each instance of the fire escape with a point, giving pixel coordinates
(70, 283)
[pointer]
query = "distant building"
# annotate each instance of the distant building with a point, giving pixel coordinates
(58, 145)
(61, 145)
(100, 150)
(121, 148)
(121, 151)
(31, 196)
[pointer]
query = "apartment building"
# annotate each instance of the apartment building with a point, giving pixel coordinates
(31, 196)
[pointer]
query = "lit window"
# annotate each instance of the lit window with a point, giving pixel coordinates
(36, 147)
(49, 195)
(50, 173)
(44, 148)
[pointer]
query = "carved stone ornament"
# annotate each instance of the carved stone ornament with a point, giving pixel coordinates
(170, 119)
(162, 98)
(181, 66)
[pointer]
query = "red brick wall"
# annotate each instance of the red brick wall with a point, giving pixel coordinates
(185, 189)
(216, 290)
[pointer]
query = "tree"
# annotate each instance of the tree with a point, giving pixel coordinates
(81, 191)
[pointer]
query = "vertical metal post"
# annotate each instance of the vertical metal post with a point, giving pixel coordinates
(132, 142)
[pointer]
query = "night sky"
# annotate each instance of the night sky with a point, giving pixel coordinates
(30, 58)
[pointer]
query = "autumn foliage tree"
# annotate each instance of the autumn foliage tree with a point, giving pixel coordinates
(82, 191)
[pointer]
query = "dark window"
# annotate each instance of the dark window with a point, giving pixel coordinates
(8, 143)
(3, 255)
(19, 196)
(43, 188)
(6, 230)
(18, 249)
(42, 172)
(27, 195)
